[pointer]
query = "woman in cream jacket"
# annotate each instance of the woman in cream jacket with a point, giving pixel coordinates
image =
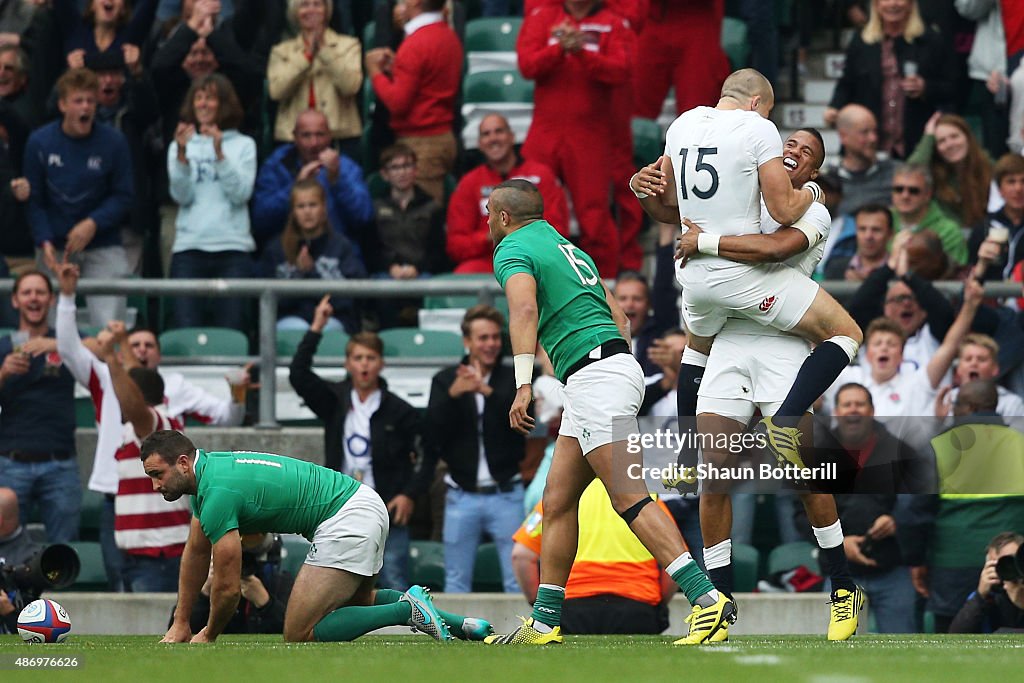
(318, 69)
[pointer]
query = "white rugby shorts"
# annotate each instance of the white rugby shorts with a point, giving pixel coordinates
(714, 289)
(597, 394)
(353, 538)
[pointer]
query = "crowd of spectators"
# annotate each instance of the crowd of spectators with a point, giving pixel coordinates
(209, 138)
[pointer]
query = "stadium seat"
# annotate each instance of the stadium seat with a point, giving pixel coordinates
(331, 344)
(295, 549)
(92, 576)
(496, 87)
(85, 412)
(412, 342)
(648, 142)
(454, 300)
(204, 341)
(491, 44)
(746, 563)
(734, 42)
(487, 570)
(426, 564)
(6, 331)
(792, 555)
(92, 511)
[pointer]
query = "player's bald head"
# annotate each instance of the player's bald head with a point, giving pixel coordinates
(979, 395)
(745, 84)
(520, 199)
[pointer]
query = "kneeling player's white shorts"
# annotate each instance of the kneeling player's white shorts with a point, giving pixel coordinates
(353, 539)
(597, 394)
(747, 370)
(771, 294)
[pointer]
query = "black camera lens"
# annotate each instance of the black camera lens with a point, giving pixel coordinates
(1008, 568)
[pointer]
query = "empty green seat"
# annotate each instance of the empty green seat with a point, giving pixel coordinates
(487, 570)
(734, 42)
(426, 564)
(792, 555)
(492, 34)
(204, 341)
(91, 576)
(745, 562)
(412, 342)
(648, 142)
(92, 511)
(294, 549)
(496, 86)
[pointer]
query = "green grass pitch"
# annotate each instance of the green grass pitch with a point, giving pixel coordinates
(248, 659)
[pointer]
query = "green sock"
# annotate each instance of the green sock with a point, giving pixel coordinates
(547, 608)
(386, 596)
(454, 622)
(348, 623)
(693, 581)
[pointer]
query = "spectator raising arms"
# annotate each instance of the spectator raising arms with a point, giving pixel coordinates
(318, 69)
(310, 249)
(211, 167)
(105, 25)
(961, 169)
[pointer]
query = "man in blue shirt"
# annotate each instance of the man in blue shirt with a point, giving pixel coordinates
(81, 172)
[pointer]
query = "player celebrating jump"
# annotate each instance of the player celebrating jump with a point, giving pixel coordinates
(723, 160)
(554, 292)
(333, 598)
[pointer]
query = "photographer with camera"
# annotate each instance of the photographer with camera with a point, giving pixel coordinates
(999, 601)
(15, 549)
(27, 568)
(265, 589)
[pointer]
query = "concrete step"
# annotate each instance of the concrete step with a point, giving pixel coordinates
(797, 115)
(818, 90)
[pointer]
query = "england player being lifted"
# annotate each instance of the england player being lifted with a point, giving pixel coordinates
(723, 161)
(752, 366)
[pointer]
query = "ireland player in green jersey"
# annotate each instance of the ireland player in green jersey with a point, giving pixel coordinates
(554, 293)
(333, 598)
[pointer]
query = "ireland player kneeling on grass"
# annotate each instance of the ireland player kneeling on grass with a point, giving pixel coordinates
(334, 598)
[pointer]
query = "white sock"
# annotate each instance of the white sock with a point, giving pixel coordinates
(678, 563)
(718, 555)
(829, 536)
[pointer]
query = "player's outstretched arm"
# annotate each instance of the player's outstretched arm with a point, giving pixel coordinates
(651, 185)
(757, 248)
(225, 588)
(523, 316)
(195, 566)
(785, 204)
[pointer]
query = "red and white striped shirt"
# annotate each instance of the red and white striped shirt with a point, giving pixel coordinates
(145, 523)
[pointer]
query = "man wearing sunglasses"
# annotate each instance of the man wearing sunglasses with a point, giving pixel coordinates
(914, 209)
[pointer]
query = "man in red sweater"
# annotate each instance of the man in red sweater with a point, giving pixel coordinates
(681, 46)
(469, 241)
(419, 86)
(578, 53)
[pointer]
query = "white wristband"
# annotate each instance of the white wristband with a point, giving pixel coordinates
(523, 363)
(639, 195)
(814, 188)
(707, 243)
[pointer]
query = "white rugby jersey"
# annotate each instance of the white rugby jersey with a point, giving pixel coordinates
(715, 156)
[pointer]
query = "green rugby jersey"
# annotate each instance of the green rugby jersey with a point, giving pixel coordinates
(260, 492)
(573, 313)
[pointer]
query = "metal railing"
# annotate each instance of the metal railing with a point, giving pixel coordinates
(268, 291)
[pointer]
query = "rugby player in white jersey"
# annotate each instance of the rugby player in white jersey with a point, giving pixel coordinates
(723, 161)
(752, 366)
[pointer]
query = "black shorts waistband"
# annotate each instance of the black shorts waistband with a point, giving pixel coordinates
(607, 350)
